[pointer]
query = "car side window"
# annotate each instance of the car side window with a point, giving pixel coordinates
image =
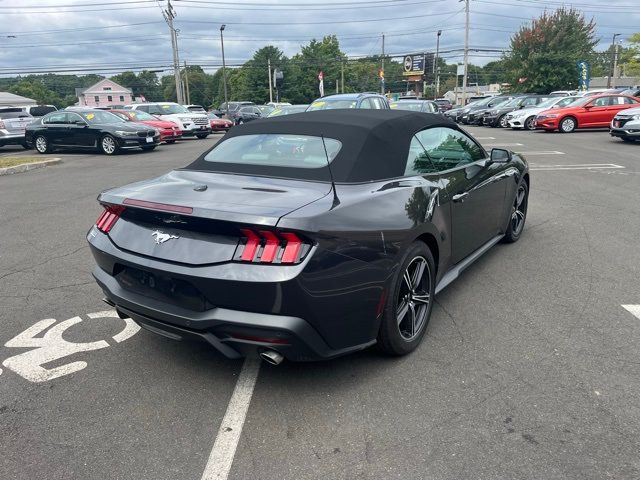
(366, 103)
(418, 161)
(601, 102)
(448, 148)
(57, 118)
(377, 103)
(74, 118)
(628, 100)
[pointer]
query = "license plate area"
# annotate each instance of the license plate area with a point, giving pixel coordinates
(162, 288)
(149, 140)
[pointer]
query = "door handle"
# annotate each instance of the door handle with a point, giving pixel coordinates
(460, 197)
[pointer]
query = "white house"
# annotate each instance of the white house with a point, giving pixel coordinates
(104, 93)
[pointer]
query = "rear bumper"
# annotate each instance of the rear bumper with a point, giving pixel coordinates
(245, 313)
(7, 138)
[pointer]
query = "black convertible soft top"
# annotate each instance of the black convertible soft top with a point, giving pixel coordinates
(375, 143)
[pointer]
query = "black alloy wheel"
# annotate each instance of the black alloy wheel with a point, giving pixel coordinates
(409, 302)
(518, 213)
(108, 145)
(503, 121)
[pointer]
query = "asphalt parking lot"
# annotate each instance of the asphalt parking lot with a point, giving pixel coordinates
(530, 368)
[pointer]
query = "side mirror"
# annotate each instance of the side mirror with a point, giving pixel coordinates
(500, 155)
(587, 107)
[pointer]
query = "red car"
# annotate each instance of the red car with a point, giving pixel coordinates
(219, 124)
(169, 131)
(589, 112)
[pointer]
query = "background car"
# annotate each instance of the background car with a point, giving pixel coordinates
(89, 129)
(278, 104)
(219, 124)
(191, 123)
(458, 113)
(37, 111)
(589, 112)
(425, 106)
(13, 122)
(246, 114)
(526, 118)
(632, 92)
(475, 115)
(169, 131)
(350, 100)
(497, 116)
(265, 110)
(288, 110)
(626, 125)
(263, 263)
(444, 104)
(228, 109)
(196, 108)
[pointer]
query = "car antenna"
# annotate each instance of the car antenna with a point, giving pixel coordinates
(336, 200)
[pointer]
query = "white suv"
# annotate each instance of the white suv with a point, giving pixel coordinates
(191, 123)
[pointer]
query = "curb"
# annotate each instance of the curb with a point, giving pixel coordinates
(25, 167)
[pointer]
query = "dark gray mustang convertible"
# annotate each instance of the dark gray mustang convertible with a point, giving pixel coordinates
(308, 236)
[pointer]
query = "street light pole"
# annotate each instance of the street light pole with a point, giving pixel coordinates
(615, 65)
(613, 56)
(436, 66)
(466, 52)
(169, 14)
(224, 66)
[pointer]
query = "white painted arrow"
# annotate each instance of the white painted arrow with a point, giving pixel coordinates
(633, 309)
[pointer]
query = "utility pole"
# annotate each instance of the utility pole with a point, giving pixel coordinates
(169, 14)
(466, 52)
(613, 59)
(270, 84)
(224, 67)
(615, 66)
(436, 66)
(382, 78)
(186, 83)
(342, 74)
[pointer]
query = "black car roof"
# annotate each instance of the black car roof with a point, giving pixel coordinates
(375, 143)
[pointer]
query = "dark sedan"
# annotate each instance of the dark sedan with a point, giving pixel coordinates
(308, 236)
(246, 114)
(497, 116)
(92, 129)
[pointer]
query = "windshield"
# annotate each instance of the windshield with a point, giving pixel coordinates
(171, 109)
(265, 109)
(100, 116)
(331, 104)
(511, 103)
(287, 111)
(275, 150)
(14, 114)
(139, 115)
(42, 110)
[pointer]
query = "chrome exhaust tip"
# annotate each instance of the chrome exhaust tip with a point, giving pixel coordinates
(272, 357)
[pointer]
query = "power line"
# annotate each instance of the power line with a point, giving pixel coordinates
(83, 29)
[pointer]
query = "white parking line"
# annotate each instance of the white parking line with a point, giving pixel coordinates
(503, 144)
(580, 166)
(634, 309)
(224, 448)
(485, 138)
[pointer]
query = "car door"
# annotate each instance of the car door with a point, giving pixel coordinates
(473, 186)
(594, 112)
(79, 132)
(616, 104)
(56, 128)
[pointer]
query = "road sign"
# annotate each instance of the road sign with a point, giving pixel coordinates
(413, 64)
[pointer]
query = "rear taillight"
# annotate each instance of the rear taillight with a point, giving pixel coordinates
(109, 217)
(265, 246)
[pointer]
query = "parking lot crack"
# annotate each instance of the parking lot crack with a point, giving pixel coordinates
(453, 321)
(51, 259)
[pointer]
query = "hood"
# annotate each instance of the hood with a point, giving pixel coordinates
(159, 123)
(629, 111)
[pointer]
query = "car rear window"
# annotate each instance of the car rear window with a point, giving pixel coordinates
(274, 150)
(42, 110)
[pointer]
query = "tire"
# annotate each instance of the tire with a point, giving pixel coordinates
(42, 144)
(567, 125)
(202, 136)
(402, 337)
(518, 214)
(170, 141)
(108, 145)
(148, 148)
(502, 121)
(530, 123)
(240, 122)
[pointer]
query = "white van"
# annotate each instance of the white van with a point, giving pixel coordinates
(191, 123)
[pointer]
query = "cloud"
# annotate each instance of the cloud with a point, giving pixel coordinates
(75, 35)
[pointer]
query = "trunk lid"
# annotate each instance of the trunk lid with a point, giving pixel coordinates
(221, 205)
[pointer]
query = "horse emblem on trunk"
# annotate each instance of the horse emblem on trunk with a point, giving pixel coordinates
(161, 237)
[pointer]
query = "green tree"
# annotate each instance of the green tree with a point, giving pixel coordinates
(632, 65)
(544, 55)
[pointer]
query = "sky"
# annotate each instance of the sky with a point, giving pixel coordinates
(108, 36)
